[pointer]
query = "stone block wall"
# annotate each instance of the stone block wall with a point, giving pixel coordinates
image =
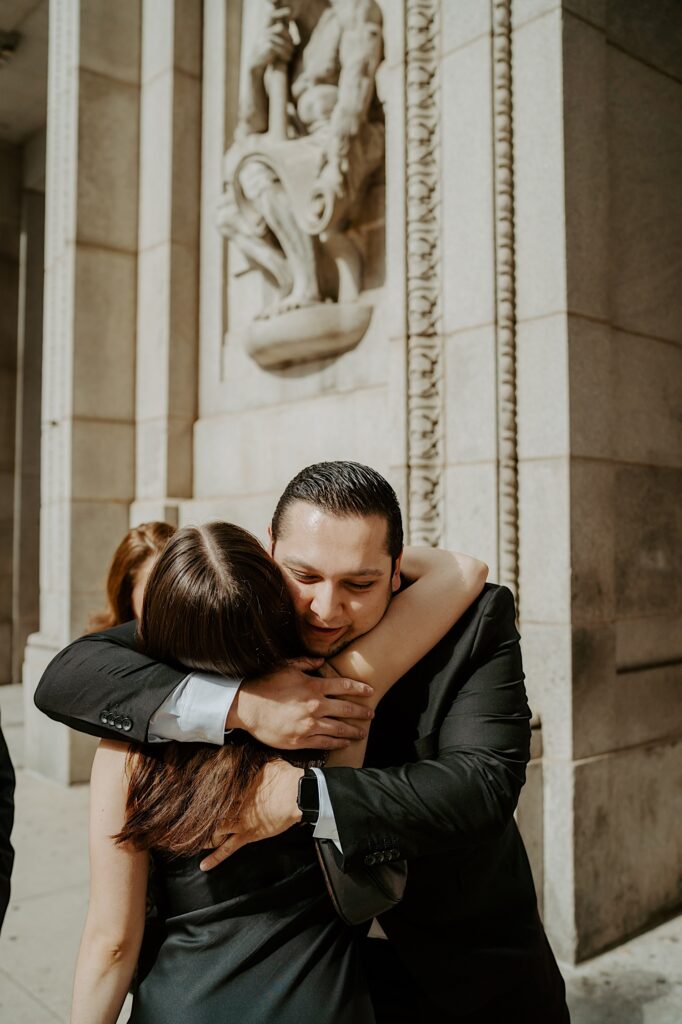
(623, 165)
(10, 206)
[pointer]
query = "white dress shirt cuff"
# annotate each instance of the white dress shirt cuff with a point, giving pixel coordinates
(325, 827)
(196, 710)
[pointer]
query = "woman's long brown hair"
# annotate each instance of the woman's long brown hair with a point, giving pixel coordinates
(139, 545)
(215, 601)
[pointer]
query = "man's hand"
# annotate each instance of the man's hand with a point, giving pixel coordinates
(272, 810)
(290, 710)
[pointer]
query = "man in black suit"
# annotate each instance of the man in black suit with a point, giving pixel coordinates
(445, 765)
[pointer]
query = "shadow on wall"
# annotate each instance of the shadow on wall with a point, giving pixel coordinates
(620, 997)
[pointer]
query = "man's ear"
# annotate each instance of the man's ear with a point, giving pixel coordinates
(270, 539)
(395, 578)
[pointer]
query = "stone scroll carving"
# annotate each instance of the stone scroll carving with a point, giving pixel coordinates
(424, 355)
(310, 136)
(508, 516)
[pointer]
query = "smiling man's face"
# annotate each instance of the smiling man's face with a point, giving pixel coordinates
(339, 573)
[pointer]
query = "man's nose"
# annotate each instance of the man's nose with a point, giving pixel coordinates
(325, 603)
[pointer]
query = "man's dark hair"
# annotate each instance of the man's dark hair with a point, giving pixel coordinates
(344, 489)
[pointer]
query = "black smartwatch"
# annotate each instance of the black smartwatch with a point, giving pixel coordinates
(309, 797)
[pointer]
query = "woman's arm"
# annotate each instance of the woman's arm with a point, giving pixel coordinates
(445, 584)
(113, 930)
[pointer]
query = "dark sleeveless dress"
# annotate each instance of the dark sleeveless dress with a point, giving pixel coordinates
(256, 940)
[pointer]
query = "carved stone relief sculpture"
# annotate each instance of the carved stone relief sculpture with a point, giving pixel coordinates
(310, 136)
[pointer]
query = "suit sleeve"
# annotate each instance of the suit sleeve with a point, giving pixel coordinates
(467, 792)
(103, 679)
(6, 822)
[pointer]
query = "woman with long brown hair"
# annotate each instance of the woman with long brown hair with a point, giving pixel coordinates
(127, 577)
(257, 938)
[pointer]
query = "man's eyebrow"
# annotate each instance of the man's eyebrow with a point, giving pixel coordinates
(297, 563)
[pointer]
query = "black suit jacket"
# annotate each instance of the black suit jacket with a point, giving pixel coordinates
(446, 763)
(6, 822)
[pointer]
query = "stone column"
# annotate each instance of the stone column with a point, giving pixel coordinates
(89, 337)
(25, 568)
(622, 79)
(168, 265)
(10, 206)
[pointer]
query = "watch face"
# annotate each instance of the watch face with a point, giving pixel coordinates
(308, 795)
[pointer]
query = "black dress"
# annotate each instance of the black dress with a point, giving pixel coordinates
(253, 941)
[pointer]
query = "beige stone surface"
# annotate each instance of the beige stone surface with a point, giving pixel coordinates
(164, 457)
(187, 41)
(471, 395)
(467, 201)
(157, 43)
(463, 23)
(471, 510)
(103, 456)
(646, 640)
(645, 146)
(392, 12)
(647, 540)
(104, 334)
(110, 40)
(648, 397)
(253, 512)
(156, 142)
(107, 162)
(547, 662)
(542, 388)
(560, 875)
(593, 515)
(592, 11)
(339, 426)
(651, 34)
(186, 158)
(625, 805)
(394, 314)
(593, 400)
(95, 529)
(612, 711)
(544, 539)
(538, 167)
(586, 167)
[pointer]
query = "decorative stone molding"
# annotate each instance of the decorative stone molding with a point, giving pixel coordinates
(505, 286)
(424, 344)
(310, 137)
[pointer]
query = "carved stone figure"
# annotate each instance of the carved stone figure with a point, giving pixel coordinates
(310, 135)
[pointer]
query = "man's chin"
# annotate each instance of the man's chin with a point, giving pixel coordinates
(321, 648)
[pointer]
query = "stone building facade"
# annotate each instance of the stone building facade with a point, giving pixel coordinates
(515, 260)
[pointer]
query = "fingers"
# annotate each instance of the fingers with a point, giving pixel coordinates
(337, 708)
(225, 850)
(339, 730)
(305, 664)
(339, 687)
(324, 743)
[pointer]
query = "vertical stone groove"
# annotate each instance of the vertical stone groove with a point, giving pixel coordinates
(505, 289)
(424, 355)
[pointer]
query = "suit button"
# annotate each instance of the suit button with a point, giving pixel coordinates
(127, 724)
(382, 857)
(104, 717)
(118, 722)
(111, 720)
(370, 859)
